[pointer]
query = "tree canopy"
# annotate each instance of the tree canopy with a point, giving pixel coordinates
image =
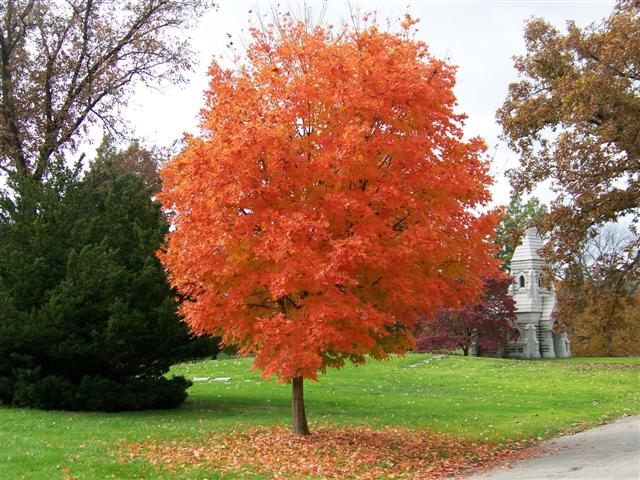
(574, 119)
(518, 217)
(65, 65)
(328, 202)
(601, 314)
(487, 323)
(134, 159)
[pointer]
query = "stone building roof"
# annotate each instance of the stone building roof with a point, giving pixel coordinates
(528, 249)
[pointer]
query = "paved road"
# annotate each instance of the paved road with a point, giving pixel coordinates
(608, 452)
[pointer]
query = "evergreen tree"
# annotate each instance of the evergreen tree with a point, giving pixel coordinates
(89, 321)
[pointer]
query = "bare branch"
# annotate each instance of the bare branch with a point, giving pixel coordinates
(83, 56)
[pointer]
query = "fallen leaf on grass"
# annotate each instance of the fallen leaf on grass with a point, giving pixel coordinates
(600, 366)
(330, 452)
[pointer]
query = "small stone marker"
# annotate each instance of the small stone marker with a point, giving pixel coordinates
(435, 357)
(222, 379)
(200, 379)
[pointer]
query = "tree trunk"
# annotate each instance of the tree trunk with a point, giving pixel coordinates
(299, 418)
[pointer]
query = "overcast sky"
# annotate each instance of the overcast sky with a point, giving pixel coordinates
(481, 37)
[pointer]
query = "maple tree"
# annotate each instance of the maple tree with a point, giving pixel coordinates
(488, 323)
(329, 199)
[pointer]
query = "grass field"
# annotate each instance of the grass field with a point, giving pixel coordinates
(488, 400)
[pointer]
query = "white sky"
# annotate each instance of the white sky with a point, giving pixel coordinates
(480, 37)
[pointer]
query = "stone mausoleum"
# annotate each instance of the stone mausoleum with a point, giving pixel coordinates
(534, 306)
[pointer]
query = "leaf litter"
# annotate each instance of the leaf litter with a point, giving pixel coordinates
(330, 452)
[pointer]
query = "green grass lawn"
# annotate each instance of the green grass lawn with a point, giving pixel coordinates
(488, 399)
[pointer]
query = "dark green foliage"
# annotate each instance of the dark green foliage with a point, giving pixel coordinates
(88, 321)
(98, 393)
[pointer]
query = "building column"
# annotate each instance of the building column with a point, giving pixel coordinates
(546, 343)
(531, 348)
(561, 345)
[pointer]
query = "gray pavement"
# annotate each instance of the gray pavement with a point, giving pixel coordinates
(611, 451)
